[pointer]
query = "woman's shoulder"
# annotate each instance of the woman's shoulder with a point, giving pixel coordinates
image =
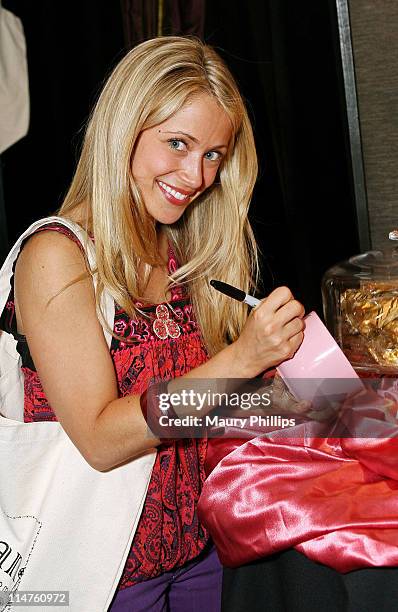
(49, 264)
(50, 236)
(49, 261)
(51, 245)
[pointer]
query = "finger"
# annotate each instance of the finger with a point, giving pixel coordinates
(287, 402)
(292, 328)
(302, 407)
(276, 299)
(295, 342)
(278, 390)
(282, 397)
(289, 311)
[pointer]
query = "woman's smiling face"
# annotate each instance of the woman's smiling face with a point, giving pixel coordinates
(177, 160)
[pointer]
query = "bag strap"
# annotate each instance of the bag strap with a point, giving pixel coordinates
(107, 304)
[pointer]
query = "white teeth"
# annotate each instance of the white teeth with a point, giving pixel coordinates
(174, 193)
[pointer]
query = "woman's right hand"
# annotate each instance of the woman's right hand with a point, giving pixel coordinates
(273, 333)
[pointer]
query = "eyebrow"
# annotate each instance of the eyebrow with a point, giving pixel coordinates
(222, 146)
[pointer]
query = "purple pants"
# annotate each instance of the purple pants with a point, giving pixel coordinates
(194, 587)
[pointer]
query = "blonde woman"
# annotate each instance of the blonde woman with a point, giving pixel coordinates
(163, 187)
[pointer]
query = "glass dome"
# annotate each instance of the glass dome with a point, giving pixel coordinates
(360, 300)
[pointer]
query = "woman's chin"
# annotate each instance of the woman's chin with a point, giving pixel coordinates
(169, 217)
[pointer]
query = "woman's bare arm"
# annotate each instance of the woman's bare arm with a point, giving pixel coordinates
(73, 362)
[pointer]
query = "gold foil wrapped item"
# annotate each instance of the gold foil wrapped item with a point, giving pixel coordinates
(370, 323)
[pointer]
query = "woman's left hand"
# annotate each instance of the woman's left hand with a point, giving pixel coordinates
(284, 402)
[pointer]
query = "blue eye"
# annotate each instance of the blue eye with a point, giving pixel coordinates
(176, 145)
(213, 155)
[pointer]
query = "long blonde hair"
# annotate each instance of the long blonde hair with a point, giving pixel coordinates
(213, 239)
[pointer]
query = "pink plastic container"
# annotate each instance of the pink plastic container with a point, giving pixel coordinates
(319, 368)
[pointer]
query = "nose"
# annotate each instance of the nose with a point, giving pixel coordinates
(191, 172)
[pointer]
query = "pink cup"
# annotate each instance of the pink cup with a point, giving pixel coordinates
(319, 369)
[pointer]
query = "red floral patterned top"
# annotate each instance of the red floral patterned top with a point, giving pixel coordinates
(169, 533)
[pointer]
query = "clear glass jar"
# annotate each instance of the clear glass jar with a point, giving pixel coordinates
(360, 301)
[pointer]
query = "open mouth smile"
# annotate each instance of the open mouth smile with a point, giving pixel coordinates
(174, 195)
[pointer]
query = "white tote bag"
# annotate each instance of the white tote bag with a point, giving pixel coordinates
(63, 525)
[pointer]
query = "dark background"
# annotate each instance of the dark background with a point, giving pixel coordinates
(285, 57)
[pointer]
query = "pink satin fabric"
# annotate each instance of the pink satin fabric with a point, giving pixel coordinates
(335, 499)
